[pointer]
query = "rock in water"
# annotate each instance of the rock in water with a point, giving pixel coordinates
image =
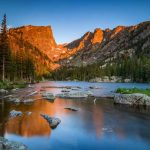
(10, 145)
(28, 113)
(48, 95)
(28, 100)
(72, 108)
(14, 90)
(132, 99)
(15, 113)
(53, 122)
(2, 91)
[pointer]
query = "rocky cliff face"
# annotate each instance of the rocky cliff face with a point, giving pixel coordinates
(105, 45)
(38, 43)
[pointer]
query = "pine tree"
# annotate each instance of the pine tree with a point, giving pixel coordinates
(5, 54)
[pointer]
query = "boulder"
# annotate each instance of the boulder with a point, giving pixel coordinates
(97, 79)
(14, 90)
(132, 99)
(53, 122)
(3, 91)
(48, 95)
(95, 87)
(10, 145)
(15, 113)
(127, 80)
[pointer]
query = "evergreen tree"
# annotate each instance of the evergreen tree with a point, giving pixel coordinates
(5, 53)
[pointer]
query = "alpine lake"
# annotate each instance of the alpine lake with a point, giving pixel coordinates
(98, 123)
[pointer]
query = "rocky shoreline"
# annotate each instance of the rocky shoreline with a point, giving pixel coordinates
(132, 99)
(11, 145)
(111, 79)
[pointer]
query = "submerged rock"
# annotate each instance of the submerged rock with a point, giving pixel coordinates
(78, 94)
(28, 100)
(89, 93)
(10, 145)
(15, 113)
(53, 122)
(15, 100)
(95, 87)
(72, 108)
(28, 113)
(132, 99)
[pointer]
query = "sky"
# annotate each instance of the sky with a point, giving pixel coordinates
(70, 19)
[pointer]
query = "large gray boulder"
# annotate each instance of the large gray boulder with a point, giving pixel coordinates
(132, 99)
(10, 145)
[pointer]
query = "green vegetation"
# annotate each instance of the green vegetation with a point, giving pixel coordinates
(5, 54)
(136, 68)
(10, 85)
(133, 90)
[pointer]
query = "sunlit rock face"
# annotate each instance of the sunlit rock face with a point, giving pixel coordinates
(97, 36)
(99, 46)
(117, 30)
(105, 45)
(37, 43)
(39, 36)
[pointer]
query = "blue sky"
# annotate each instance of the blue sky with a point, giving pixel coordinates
(70, 19)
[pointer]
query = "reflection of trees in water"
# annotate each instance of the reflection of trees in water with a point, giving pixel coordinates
(4, 114)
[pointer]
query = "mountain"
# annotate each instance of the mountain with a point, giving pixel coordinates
(100, 46)
(106, 45)
(38, 43)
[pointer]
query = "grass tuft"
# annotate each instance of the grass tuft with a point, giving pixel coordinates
(133, 90)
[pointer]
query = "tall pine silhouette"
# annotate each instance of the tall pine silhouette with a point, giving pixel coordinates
(5, 53)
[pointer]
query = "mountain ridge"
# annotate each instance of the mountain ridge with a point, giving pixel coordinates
(97, 46)
(109, 41)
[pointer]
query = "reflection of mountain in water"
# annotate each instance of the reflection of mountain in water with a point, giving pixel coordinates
(101, 122)
(33, 124)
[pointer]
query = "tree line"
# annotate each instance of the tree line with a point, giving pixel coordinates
(136, 68)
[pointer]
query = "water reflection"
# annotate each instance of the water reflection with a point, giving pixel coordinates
(102, 124)
(34, 124)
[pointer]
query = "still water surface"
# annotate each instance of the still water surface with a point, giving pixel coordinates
(100, 125)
